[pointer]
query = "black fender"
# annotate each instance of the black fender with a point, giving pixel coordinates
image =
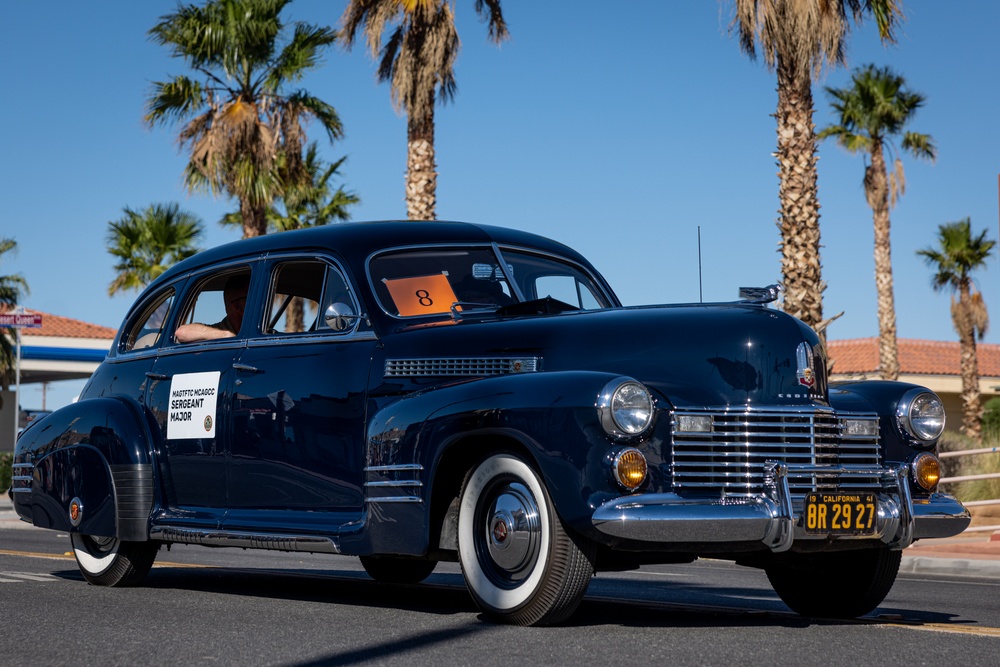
(881, 396)
(550, 418)
(97, 452)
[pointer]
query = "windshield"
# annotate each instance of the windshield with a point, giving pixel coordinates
(452, 280)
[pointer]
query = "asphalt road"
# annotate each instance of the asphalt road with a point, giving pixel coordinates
(229, 607)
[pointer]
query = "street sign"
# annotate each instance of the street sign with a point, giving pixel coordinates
(19, 319)
(15, 319)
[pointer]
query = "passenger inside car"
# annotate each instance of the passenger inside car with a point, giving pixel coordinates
(235, 298)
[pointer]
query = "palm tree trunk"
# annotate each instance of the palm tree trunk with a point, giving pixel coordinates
(254, 219)
(799, 222)
(295, 315)
(972, 410)
(421, 177)
(877, 192)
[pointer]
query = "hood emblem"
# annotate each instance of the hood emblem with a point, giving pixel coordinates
(806, 372)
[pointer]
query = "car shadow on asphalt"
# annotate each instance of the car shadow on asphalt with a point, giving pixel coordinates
(444, 594)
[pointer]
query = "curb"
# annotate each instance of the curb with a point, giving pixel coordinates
(953, 567)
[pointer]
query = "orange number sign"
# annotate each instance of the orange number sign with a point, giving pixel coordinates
(423, 295)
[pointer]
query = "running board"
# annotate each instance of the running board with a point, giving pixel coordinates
(244, 540)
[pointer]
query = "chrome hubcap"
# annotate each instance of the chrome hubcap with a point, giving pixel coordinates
(513, 531)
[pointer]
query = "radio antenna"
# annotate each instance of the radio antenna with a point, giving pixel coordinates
(701, 299)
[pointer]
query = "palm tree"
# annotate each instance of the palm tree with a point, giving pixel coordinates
(147, 243)
(12, 288)
(310, 203)
(798, 39)
(417, 60)
(872, 111)
(957, 255)
(238, 116)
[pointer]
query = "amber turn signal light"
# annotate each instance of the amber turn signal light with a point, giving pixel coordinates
(927, 471)
(629, 467)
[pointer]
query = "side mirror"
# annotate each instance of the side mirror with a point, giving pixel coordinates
(339, 315)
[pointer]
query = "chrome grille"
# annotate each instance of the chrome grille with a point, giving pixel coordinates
(460, 367)
(728, 456)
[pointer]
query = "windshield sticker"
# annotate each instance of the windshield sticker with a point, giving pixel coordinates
(191, 412)
(423, 295)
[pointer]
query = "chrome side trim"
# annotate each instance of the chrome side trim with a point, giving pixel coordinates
(384, 478)
(245, 540)
(394, 499)
(394, 468)
(21, 477)
(327, 336)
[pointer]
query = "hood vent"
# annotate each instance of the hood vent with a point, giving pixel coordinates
(461, 367)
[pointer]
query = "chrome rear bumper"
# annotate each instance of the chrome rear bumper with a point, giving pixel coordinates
(774, 518)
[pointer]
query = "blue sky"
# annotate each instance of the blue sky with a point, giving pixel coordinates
(619, 133)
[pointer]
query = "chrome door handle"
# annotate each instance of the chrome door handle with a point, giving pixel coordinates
(243, 368)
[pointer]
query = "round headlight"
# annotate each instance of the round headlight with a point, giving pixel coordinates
(625, 407)
(921, 414)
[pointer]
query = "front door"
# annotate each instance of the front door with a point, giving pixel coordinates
(298, 407)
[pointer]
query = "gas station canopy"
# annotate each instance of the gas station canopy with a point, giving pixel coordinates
(61, 348)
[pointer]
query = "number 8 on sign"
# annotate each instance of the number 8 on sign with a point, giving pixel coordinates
(421, 295)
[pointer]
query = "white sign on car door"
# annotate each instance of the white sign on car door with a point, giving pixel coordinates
(191, 412)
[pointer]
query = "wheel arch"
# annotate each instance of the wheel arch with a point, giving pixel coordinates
(98, 452)
(456, 460)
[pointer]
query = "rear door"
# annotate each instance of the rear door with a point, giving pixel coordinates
(189, 394)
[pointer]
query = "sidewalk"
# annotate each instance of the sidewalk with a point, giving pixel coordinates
(971, 555)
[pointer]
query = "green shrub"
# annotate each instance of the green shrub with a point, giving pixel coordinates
(975, 464)
(6, 459)
(991, 419)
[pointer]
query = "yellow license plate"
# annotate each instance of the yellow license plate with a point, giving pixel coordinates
(840, 513)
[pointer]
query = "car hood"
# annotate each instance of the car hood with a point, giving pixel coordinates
(693, 355)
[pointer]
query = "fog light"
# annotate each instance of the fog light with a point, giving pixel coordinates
(927, 471)
(694, 423)
(629, 467)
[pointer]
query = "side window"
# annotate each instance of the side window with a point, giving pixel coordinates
(301, 291)
(146, 330)
(568, 290)
(215, 309)
(540, 276)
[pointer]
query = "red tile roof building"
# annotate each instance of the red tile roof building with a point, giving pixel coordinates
(933, 364)
(859, 356)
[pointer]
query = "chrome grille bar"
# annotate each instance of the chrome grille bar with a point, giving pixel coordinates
(725, 452)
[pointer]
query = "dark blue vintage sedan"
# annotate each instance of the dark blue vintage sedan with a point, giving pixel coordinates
(415, 392)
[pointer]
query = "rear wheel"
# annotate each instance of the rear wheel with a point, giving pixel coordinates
(107, 561)
(389, 570)
(520, 563)
(846, 584)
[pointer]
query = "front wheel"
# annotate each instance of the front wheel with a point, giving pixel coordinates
(520, 563)
(107, 561)
(844, 584)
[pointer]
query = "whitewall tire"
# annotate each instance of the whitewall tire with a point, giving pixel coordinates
(520, 563)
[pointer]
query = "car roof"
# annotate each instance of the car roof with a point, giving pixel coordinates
(356, 241)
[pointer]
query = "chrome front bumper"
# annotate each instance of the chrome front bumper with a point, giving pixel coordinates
(774, 517)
